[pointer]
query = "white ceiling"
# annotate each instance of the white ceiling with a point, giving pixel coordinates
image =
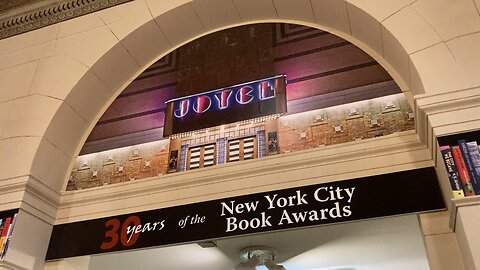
(389, 243)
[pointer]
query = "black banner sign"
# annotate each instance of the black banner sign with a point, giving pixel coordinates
(362, 198)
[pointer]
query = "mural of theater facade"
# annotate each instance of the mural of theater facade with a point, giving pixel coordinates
(241, 94)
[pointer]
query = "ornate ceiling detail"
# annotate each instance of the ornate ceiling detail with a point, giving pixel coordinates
(20, 16)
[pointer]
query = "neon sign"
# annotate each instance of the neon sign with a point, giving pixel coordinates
(222, 99)
(226, 105)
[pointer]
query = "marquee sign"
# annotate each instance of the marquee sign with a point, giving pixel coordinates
(226, 105)
(362, 198)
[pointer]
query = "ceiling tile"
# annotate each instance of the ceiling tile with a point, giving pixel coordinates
(116, 68)
(79, 24)
(256, 9)
(29, 39)
(81, 47)
(215, 14)
(16, 156)
(89, 96)
(26, 55)
(30, 116)
(17, 80)
(147, 44)
(465, 48)
(365, 28)
(441, 13)
(55, 160)
(180, 24)
(50, 69)
(5, 108)
(416, 84)
(332, 14)
(295, 10)
(441, 73)
(380, 9)
(133, 10)
(397, 57)
(67, 130)
(412, 31)
(157, 8)
(126, 18)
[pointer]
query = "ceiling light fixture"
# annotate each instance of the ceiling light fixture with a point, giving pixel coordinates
(258, 255)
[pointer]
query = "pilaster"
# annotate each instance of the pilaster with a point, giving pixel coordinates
(455, 246)
(37, 205)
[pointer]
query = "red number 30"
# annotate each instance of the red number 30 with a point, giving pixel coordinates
(111, 235)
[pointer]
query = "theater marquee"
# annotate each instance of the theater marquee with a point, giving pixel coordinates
(226, 105)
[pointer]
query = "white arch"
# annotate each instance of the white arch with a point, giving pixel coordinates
(120, 64)
(79, 78)
(67, 74)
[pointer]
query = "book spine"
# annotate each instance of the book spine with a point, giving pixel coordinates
(8, 237)
(474, 178)
(475, 154)
(4, 232)
(462, 171)
(455, 184)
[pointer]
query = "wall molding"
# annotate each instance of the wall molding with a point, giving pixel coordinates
(31, 195)
(44, 13)
(430, 108)
(449, 101)
(40, 200)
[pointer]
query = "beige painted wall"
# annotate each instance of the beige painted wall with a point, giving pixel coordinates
(57, 81)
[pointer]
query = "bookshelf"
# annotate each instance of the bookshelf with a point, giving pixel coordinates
(7, 222)
(453, 140)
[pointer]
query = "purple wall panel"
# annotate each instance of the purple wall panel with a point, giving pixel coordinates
(322, 61)
(127, 126)
(157, 81)
(142, 102)
(306, 45)
(336, 82)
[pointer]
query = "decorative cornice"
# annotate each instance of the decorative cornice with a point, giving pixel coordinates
(427, 106)
(44, 13)
(32, 196)
(449, 101)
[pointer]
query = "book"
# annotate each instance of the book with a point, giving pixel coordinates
(4, 232)
(455, 182)
(474, 177)
(475, 155)
(462, 171)
(8, 237)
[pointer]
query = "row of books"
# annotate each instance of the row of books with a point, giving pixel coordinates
(462, 162)
(6, 229)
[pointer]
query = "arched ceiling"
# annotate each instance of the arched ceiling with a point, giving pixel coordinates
(318, 65)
